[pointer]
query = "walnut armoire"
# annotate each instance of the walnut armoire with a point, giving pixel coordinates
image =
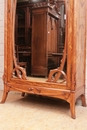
(72, 84)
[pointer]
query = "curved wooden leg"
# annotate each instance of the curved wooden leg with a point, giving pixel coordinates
(72, 106)
(5, 94)
(83, 100)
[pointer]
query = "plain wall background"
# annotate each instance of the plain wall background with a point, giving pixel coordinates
(1, 42)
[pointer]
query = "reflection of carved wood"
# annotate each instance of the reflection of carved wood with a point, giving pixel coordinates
(17, 70)
(44, 40)
(55, 74)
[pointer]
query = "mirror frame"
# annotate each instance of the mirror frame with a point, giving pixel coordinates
(9, 43)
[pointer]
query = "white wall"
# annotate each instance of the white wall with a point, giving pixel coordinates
(86, 75)
(86, 58)
(1, 41)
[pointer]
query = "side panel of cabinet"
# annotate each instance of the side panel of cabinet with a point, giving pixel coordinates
(39, 46)
(80, 44)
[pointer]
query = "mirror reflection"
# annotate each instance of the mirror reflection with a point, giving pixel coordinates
(40, 38)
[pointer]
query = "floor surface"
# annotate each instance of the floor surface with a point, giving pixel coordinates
(40, 113)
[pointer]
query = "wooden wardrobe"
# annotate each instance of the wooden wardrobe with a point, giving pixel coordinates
(45, 26)
(67, 85)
